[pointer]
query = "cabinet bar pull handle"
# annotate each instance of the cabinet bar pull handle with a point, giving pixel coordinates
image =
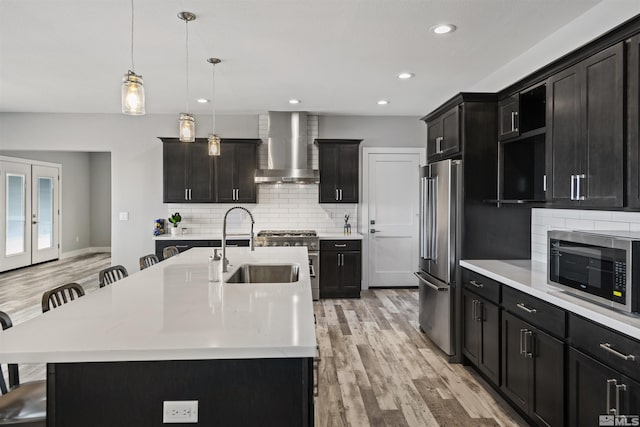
(610, 410)
(338, 262)
(478, 311)
(473, 309)
(521, 306)
(343, 245)
(190, 197)
(528, 344)
(336, 194)
(439, 144)
(607, 347)
(513, 121)
(341, 194)
(544, 183)
(476, 284)
(342, 257)
(186, 194)
(619, 387)
(573, 196)
(578, 178)
(522, 331)
(182, 246)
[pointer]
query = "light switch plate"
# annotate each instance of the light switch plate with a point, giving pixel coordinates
(124, 216)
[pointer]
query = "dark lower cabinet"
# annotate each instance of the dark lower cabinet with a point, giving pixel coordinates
(183, 245)
(533, 371)
(481, 334)
(340, 269)
(230, 392)
(596, 389)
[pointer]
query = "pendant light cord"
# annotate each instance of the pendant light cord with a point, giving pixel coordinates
(133, 67)
(186, 99)
(213, 101)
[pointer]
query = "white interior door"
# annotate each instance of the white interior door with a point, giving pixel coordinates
(45, 213)
(393, 198)
(15, 210)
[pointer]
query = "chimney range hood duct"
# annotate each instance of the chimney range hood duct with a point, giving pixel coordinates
(287, 151)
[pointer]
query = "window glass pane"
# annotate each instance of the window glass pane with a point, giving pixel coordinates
(15, 238)
(45, 213)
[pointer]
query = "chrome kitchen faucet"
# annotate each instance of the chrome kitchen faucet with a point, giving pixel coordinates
(225, 261)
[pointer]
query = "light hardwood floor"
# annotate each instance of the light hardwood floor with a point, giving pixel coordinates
(376, 368)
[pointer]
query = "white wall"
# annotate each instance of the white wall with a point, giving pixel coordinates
(100, 196)
(136, 156)
(588, 26)
(377, 131)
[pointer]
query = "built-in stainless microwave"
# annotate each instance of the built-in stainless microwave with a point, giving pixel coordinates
(599, 266)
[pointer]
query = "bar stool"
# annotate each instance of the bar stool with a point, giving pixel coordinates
(170, 251)
(111, 274)
(148, 260)
(60, 295)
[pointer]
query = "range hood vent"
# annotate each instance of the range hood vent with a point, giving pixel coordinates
(287, 151)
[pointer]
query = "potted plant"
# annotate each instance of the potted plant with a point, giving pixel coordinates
(175, 220)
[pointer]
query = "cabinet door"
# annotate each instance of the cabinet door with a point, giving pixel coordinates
(175, 159)
(434, 132)
(563, 134)
(224, 168)
(450, 132)
(508, 118)
(601, 149)
(200, 170)
(547, 382)
(629, 397)
(471, 330)
(329, 154)
(348, 172)
(244, 174)
(633, 122)
(489, 354)
(515, 366)
(330, 281)
(351, 270)
(587, 394)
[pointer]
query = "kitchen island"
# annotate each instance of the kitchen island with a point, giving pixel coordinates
(243, 351)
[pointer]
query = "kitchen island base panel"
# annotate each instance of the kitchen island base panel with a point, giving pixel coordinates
(229, 392)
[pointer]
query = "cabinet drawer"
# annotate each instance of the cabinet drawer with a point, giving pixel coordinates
(481, 285)
(535, 311)
(608, 346)
(340, 245)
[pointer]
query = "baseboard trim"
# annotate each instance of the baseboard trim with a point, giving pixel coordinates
(85, 251)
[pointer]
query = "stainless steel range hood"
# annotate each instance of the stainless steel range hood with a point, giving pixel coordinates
(287, 151)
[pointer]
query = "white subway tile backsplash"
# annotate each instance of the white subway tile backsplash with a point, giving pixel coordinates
(543, 220)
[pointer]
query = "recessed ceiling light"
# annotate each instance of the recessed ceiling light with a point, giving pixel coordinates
(443, 29)
(202, 100)
(383, 102)
(405, 76)
(294, 101)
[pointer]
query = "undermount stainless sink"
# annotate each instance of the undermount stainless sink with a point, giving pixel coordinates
(265, 273)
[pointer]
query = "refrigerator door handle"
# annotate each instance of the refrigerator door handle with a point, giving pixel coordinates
(423, 227)
(429, 284)
(433, 206)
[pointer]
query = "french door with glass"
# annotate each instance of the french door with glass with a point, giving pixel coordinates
(29, 200)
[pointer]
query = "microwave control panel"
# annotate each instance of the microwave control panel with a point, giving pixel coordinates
(620, 281)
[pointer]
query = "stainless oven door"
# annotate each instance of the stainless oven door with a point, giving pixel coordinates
(314, 274)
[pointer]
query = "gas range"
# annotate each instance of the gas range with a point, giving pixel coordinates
(308, 238)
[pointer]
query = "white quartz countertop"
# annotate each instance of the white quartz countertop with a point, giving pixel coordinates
(531, 277)
(339, 236)
(171, 311)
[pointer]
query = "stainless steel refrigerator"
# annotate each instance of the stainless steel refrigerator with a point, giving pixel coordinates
(439, 200)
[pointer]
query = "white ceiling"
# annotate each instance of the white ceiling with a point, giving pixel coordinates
(337, 56)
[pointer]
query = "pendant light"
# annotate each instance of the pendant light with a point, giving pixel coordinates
(133, 102)
(214, 140)
(187, 123)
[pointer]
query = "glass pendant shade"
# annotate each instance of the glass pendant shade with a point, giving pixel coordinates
(133, 102)
(187, 129)
(214, 145)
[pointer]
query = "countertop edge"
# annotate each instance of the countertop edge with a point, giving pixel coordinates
(614, 320)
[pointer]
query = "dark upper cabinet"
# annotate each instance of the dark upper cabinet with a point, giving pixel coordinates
(633, 122)
(236, 170)
(187, 172)
(443, 135)
(533, 369)
(340, 268)
(339, 170)
(190, 175)
(585, 132)
(508, 117)
(481, 334)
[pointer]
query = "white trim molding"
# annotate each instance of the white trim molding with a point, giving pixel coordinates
(84, 251)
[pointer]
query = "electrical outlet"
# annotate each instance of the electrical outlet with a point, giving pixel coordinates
(180, 411)
(124, 216)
